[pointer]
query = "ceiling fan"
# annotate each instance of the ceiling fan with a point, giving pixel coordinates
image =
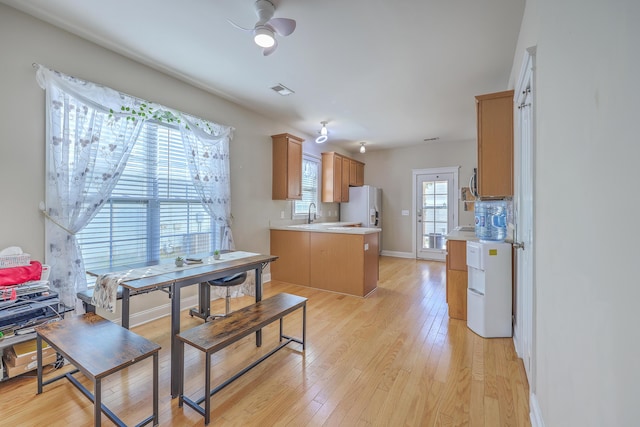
(267, 27)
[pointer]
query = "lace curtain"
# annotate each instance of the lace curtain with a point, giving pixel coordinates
(90, 132)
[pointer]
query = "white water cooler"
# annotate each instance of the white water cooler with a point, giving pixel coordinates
(489, 289)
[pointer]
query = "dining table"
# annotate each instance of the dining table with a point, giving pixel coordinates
(170, 278)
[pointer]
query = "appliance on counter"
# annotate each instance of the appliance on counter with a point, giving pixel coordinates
(489, 297)
(364, 206)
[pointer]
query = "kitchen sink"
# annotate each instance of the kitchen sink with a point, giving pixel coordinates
(465, 228)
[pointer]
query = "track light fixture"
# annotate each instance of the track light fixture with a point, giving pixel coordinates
(323, 133)
(362, 149)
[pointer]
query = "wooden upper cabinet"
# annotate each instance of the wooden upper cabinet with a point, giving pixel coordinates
(346, 167)
(356, 173)
(338, 174)
(287, 167)
(495, 144)
(331, 177)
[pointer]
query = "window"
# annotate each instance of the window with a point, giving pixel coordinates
(127, 181)
(310, 174)
(153, 212)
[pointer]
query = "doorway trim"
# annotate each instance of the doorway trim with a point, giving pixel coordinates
(414, 208)
(524, 336)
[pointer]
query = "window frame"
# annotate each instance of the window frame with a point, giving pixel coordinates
(304, 215)
(152, 202)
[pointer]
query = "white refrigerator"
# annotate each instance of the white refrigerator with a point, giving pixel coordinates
(364, 206)
(489, 289)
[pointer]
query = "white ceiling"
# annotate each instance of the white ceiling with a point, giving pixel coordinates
(390, 73)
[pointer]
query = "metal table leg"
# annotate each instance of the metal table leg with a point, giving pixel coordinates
(125, 307)
(176, 357)
(259, 298)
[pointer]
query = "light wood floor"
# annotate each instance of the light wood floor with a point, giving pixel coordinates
(391, 359)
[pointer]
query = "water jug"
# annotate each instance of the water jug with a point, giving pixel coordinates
(491, 220)
(497, 214)
(482, 226)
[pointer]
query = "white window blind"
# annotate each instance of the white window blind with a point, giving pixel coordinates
(153, 212)
(310, 179)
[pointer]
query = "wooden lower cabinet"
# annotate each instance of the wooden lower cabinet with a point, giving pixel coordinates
(457, 279)
(339, 263)
(457, 294)
(335, 262)
(292, 249)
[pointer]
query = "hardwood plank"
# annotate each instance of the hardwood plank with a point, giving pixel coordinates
(393, 358)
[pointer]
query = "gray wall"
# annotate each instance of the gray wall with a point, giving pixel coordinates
(586, 210)
(392, 171)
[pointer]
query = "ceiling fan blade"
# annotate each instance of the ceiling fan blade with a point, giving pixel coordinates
(282, 26)
(238, 26)
(269, 50)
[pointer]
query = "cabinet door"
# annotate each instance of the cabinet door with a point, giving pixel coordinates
(294, 170)
(495, 144)
(337, 178)
(356, 173)
(287, 167)
(457, 255)
(457, 279)
(344, 180)
(292, 249)
(457, 294)
(336, 262)
(353, 166)
(359, 174)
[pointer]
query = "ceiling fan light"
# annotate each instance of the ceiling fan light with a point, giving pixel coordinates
(362, 149)
(323, 130)
(264, 37)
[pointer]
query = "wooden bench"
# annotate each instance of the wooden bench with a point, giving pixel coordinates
(87, 295)
(214, 336)
(97, 348)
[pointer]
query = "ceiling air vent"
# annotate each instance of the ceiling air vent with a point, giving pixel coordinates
(282, 89)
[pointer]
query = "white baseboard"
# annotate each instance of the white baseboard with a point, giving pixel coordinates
(398, 254)
(535, 414)
(516, 341)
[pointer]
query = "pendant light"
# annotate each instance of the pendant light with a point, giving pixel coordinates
(362, 149)
(323, 133)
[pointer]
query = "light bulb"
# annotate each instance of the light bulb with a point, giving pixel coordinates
(362, 149)
(323, 131)
(264, 37)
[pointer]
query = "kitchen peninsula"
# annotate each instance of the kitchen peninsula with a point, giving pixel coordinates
(336, 257)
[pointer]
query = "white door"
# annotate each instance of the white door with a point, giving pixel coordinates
(525, 296)
(436, 210)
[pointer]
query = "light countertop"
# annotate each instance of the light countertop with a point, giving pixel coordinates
(471, 236)
(329, 227)
(461, 235)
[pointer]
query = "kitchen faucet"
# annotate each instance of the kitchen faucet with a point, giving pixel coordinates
(309, 220)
